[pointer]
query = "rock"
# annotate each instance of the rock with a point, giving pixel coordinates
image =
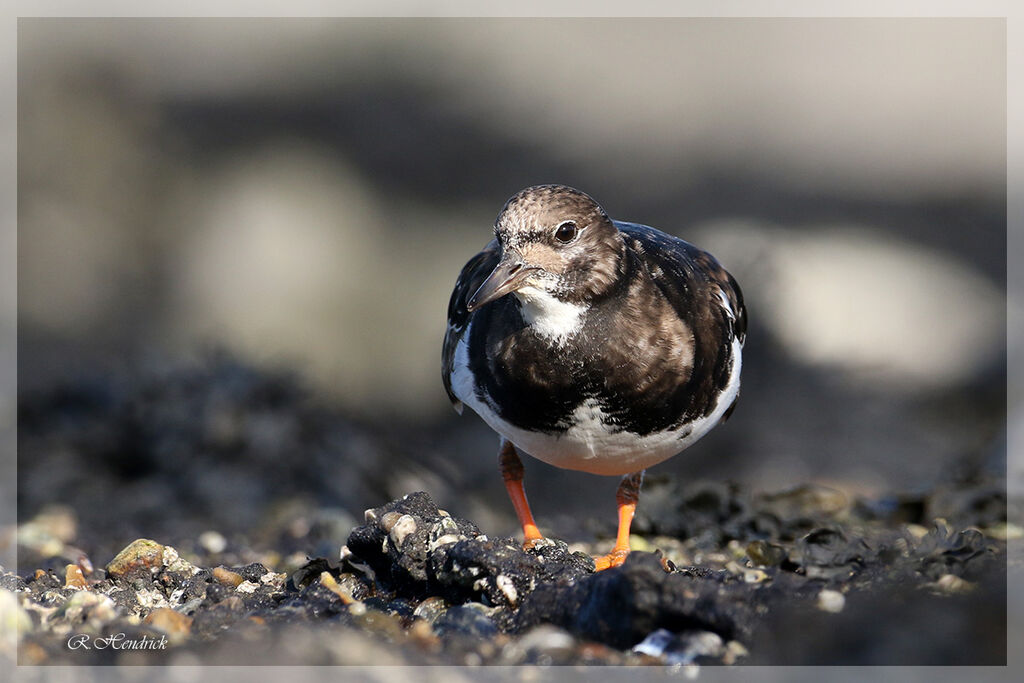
(13, 620)
(621, 606)
(430, 609)
(765, 554)
(73, 577)
(544, 645)
(140, 558)
(683, 648)
(49, 531)
(470, 619)
(226, 577)
(213, 542)
(328, 582)
(88, 609)
(403, 566)
(176, 625)
(831, 601)
(416, 549)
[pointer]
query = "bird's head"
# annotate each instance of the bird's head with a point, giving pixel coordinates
(555, 242)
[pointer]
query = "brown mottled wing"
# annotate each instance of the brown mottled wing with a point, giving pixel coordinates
(472, 276)
(693, 280)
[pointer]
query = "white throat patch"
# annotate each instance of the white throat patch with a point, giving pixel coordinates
(549, 317)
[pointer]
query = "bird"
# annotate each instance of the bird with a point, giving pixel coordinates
(591, 344)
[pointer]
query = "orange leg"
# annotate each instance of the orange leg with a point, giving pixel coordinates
(512, 471)
(626, 498)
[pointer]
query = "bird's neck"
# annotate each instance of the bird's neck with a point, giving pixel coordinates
(551, 318)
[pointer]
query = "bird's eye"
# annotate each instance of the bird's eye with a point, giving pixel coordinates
(566, 232)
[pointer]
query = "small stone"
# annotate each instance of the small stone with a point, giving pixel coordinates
(175, 624)
(13, 619)
(682, 648)
(421, 633)
(831, 601)
(1005, 531)
(213, 542)
(506, 586)
(328, 582)
(430, 609)
(142, 557)
(734, 650)
(388, 521)
(470, 619)
(247, 587)
(49, 531)
(950, 584)
(917, 531)
(226, 577)
(749, 575)
(175, 563)
(86, 607)
(73, 577)
(765, 554)
(546, 639)
(403, 526)
(150, 598)
(274, 579)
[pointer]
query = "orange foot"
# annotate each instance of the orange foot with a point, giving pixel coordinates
(613, 559)
(532, 542)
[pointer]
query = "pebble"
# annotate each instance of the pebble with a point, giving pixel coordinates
(142, 557)
(544, 640)
(226, 577)
(175, 624)
(328, 582)
(173, 562)
(73, 577)
(1005, 531)
(950, 584)
(150, 598)
(13, 619)
(403, 526)
(86, 607)
(430, 609)
(470, 619)
(213, 542)
(49, 531)
(682, 648)
(831, 601)
(766, 554)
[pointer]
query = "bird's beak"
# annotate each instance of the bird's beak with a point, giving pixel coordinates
(507, 277)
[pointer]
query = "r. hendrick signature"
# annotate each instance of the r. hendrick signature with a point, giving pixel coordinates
(117, 641)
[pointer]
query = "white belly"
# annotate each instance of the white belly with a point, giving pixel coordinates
(589, 446)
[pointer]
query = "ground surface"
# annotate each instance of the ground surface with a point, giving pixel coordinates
(216, 512)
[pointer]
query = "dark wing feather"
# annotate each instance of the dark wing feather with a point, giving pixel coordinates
(691, 281)
(472, 276)
(686, 263)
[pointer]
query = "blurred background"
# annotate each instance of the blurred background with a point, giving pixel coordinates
(299, 196)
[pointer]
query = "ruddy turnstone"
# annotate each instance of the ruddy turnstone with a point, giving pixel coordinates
(619, 347)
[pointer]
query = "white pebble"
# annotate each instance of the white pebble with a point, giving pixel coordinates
(506, 586)
(213, 542)
(404, 526)
(831, 601)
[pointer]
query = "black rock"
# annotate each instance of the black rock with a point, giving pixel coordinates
(397, 539)
(621, 606)
(470, 619)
